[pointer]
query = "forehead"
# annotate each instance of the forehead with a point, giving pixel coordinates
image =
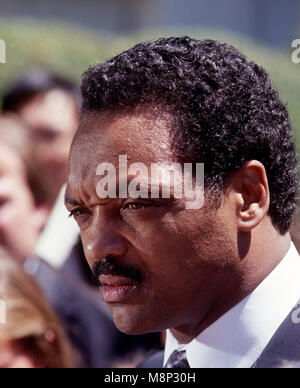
(140, 133)
(55, 108)
(10, 162)
(143, 136)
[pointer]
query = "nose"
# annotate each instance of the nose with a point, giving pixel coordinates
(102, 240)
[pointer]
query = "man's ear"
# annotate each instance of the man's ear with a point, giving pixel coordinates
(250, 194)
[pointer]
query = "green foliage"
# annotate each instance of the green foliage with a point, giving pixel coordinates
(70, 49)
(65, 49)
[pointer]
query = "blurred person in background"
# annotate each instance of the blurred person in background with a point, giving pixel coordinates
(32, 336)
(22, 214)
(48, 106)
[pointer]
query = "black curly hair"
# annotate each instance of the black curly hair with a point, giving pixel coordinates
(225, 108)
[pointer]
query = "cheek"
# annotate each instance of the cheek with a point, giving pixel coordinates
(178, 250)
(16, 216)
(167, 253)
(9, 217)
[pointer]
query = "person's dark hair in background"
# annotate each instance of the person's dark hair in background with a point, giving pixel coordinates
(49, 105)
(229, 115)
(34, 81)
(22, 212)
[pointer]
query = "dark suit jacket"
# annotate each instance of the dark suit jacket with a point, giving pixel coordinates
(282, 351)
(156, 360)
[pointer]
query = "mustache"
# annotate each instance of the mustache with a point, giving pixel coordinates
(110, 266)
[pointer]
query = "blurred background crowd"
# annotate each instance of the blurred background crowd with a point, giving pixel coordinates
(55, 316)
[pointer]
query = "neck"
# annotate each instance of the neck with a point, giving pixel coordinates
(261, 259)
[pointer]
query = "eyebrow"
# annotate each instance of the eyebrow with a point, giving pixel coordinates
(71, 201)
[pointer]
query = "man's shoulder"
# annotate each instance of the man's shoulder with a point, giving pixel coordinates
(155, 360)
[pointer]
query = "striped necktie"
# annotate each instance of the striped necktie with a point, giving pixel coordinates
(178, 360)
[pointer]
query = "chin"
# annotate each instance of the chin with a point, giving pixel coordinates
(131, 330)
(133, 323)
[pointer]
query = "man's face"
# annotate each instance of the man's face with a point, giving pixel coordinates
(52, 119)
(18, 229)
(164, 265)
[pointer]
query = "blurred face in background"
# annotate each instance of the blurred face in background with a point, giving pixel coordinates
(52, 118)
(13, 356)
(31, 336)
(19, 219)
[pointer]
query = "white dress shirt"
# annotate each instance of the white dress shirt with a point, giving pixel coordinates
(238, 338)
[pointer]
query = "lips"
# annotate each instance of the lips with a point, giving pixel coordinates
(116, 289)
(115, 281)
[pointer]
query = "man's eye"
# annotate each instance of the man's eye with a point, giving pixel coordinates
(134, 206)
(76, 213)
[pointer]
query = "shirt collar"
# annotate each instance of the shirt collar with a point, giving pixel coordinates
(238, 338)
